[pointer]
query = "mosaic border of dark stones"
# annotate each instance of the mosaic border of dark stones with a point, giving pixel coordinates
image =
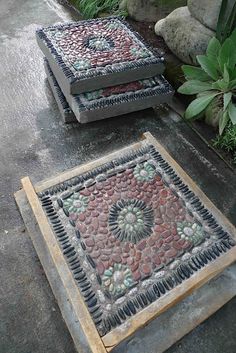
(118, 99)
(105, 69)
(162, 286)
(62, 98)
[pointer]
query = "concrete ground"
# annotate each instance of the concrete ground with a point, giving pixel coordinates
(34, 142)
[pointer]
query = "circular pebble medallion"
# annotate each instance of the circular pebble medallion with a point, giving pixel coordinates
(99, 43)
(131, 220)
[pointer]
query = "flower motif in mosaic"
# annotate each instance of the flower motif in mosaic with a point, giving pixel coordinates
(148, 82)
(192, 232)
(131, 220)
(117, 279)
(144, 172)
(76, 203)
(90, 96)
(99, 43)
(114, 25)
(82, 64)
(139, 52)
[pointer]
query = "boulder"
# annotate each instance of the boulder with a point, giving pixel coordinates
(151, 10)
(205, 11)
(184, 35)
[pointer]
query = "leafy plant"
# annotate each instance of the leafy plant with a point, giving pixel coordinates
(91, 8)
(227, 141)
(214, 82)
(226, 21)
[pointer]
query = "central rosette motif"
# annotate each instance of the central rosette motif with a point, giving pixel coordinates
(99, 43)
(131, 220)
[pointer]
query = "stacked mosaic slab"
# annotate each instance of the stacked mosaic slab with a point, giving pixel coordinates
(102, 68)
(131, 231)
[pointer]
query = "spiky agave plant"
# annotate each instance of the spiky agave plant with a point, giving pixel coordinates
(214, 83)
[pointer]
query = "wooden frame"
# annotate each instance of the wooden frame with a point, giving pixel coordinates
(117, 335)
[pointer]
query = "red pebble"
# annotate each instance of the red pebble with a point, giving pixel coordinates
(85, 192)
(117, 258)
(146, 269)
(158, 229)
(186, 245)
(164, 193)
(95, 254)
(141, 245)
(82, 228)
(158, 221)
(151, 241)
(171, 253)
(130, 261)
(138, 256)
(112, 239)
(169, 239)
(100, 268)
(134, 267)
(107, 264)
(90, 229)
(157, 259)
(132, 252)
(166, 234)
(82, 217)
(137, 275)
(90, 242)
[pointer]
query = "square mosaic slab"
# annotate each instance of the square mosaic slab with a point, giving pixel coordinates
(111, 101)
(135, 236)
(88, 55)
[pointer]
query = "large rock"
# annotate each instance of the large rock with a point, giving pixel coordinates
(185, 36)
(205, 11)
(151, 10)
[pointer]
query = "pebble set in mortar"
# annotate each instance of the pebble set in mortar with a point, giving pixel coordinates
(103, 68)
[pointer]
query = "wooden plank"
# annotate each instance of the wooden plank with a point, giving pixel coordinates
(84, 168)
(73, 293)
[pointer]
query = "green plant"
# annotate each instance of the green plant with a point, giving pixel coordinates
(214, 83)
(227, 141)
(226, 21)
(91, 8)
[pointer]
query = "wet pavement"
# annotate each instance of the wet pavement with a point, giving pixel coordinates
(35, 142)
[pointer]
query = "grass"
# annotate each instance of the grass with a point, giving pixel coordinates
(227, 141)
(92, 8)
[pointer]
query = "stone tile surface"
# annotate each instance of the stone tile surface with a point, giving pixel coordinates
(131, 231)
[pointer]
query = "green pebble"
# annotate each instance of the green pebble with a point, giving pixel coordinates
(108, 273)
(126, 283)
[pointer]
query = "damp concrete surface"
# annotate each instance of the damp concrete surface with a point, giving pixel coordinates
(35, 142)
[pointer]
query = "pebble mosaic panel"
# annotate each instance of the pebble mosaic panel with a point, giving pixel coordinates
(97, 47)
(107, 97)
(131, 231)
